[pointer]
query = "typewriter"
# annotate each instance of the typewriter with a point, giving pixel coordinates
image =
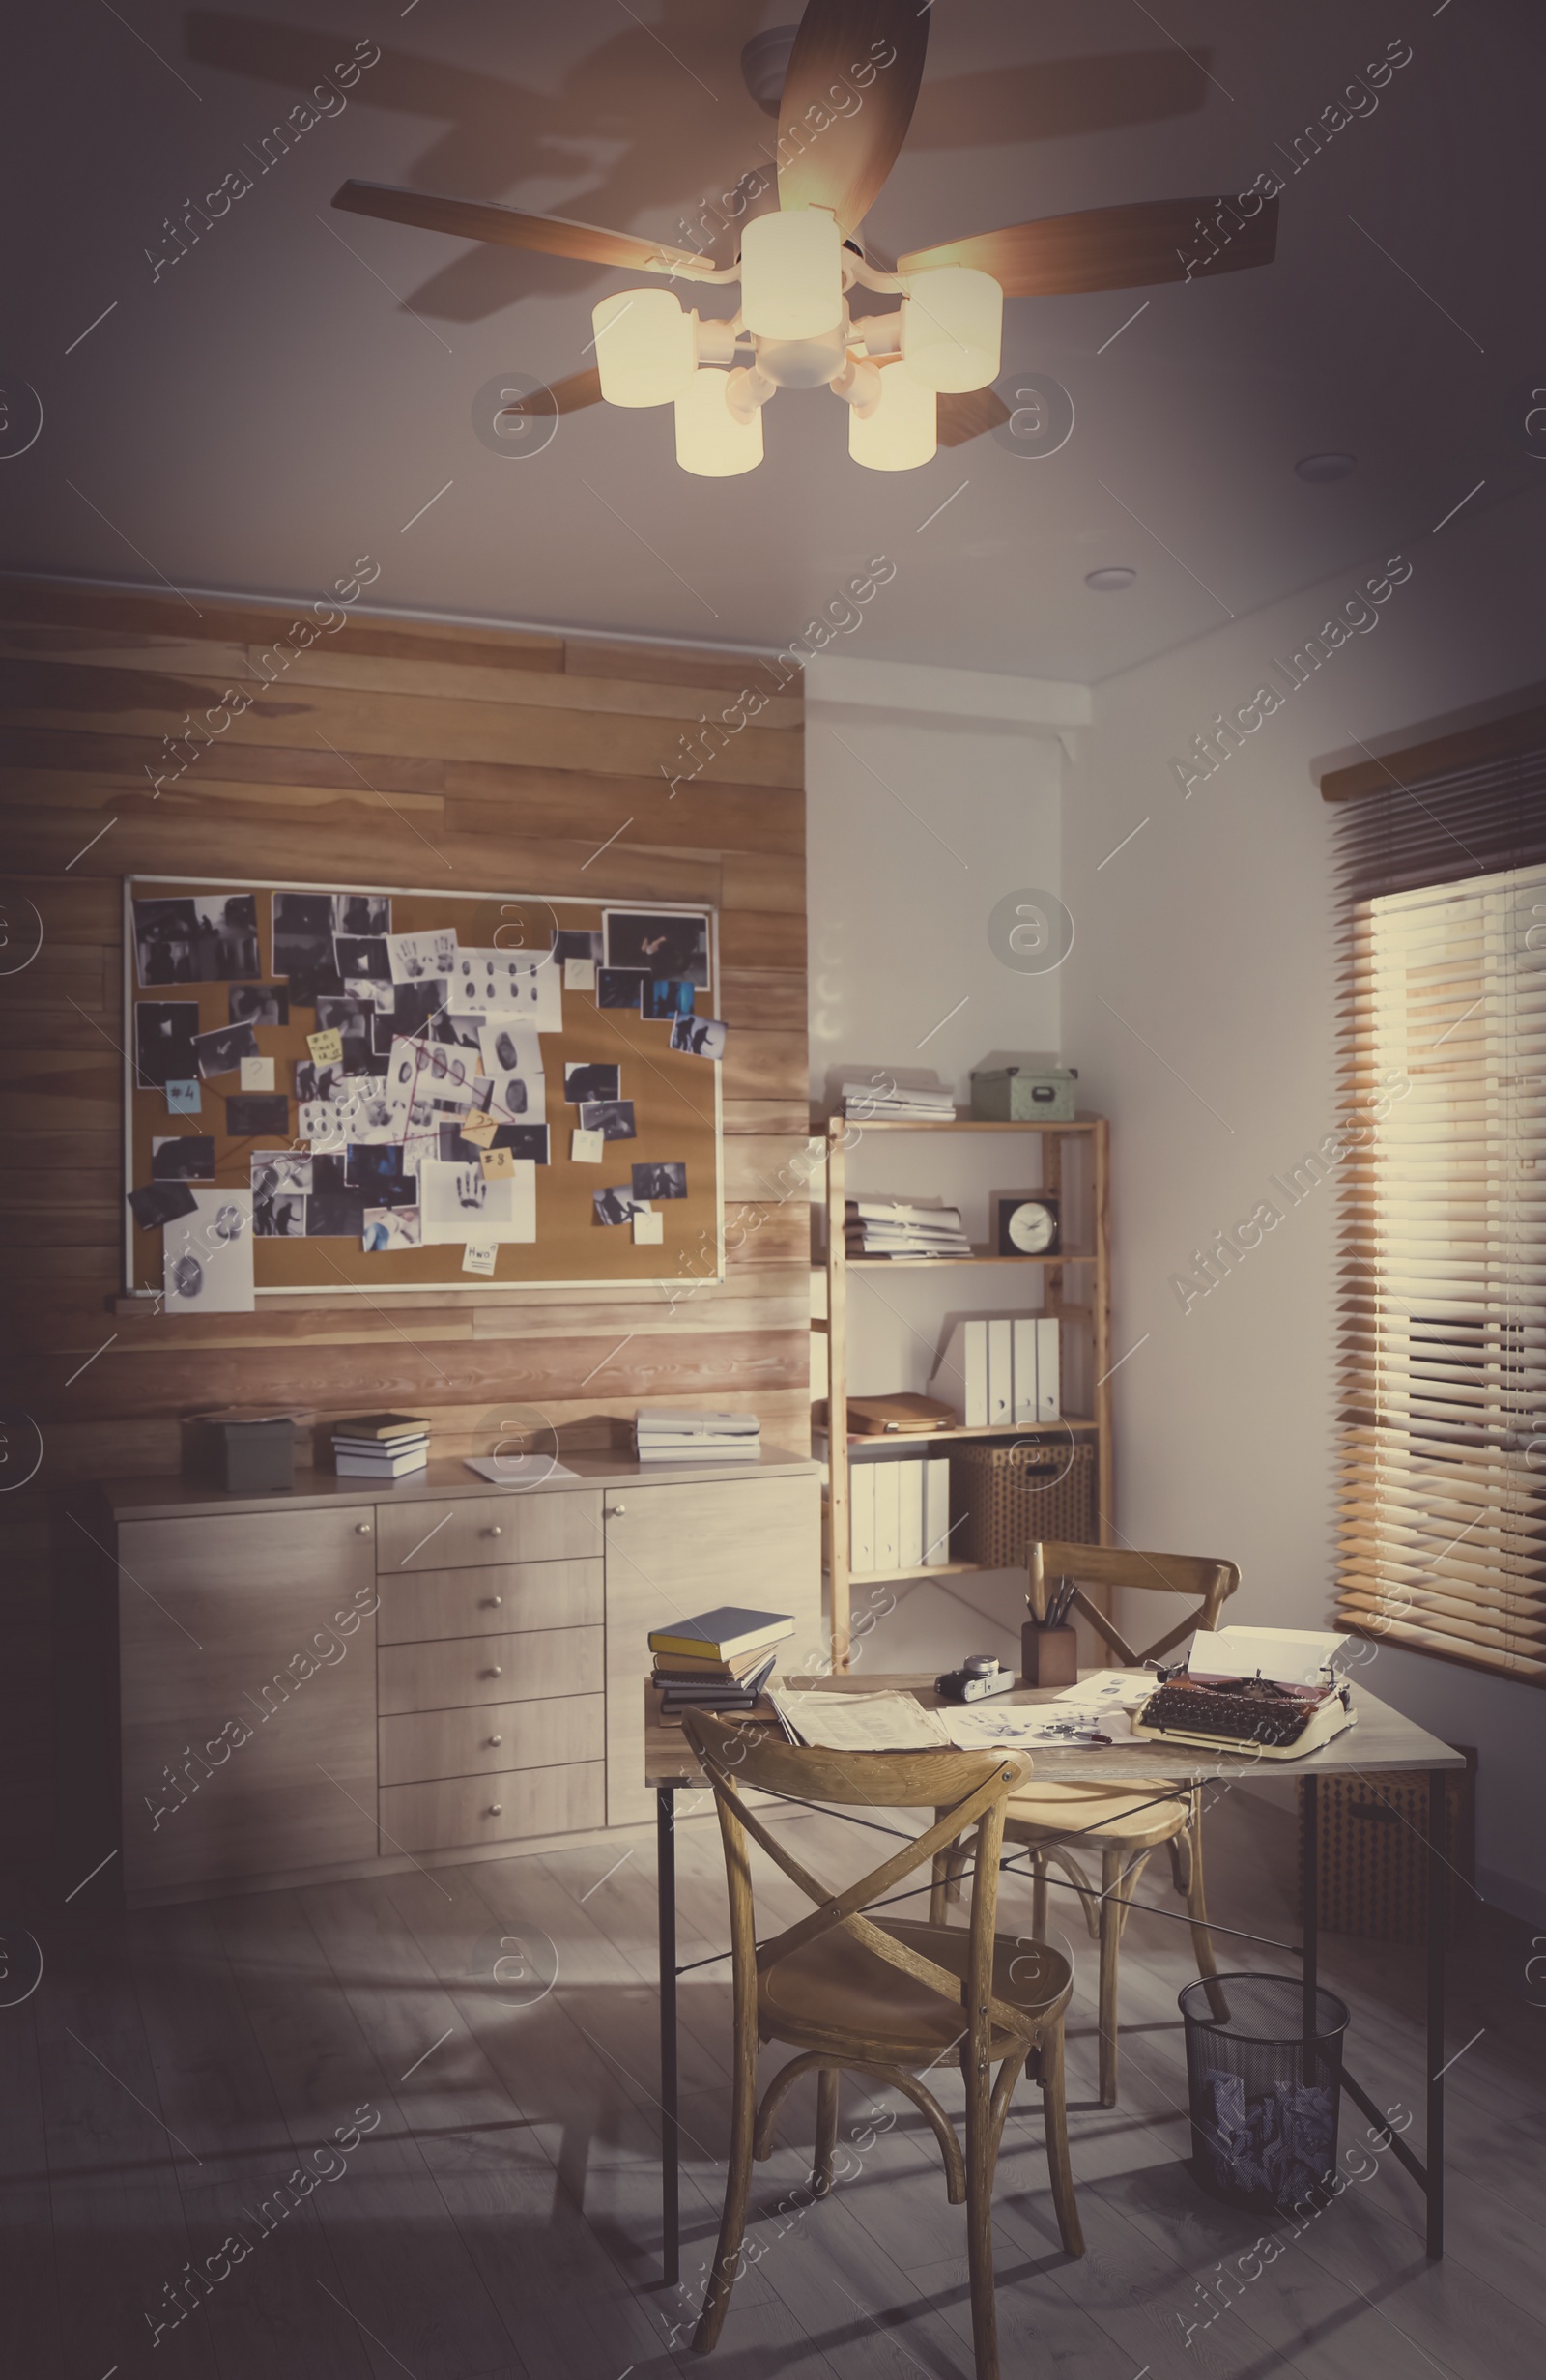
(1269, 1693)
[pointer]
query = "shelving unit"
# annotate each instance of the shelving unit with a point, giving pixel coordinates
(1093, 1312)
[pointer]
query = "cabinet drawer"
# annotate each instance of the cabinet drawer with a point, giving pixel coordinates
(519, 1526)
(505, 1596)
(427, 1744)
(471, 1670)
(497, 1809)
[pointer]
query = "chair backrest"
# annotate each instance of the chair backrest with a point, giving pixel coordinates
(1111, 1565)
(967, 1787)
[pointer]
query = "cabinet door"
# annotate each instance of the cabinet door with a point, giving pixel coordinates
(247, 1686)
(677, 1550)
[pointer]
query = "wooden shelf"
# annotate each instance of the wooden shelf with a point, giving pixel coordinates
(989, 1429)
(932, 1569)
(962, 1124)
(918, 1264)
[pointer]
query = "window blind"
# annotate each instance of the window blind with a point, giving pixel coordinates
(1442, 1429)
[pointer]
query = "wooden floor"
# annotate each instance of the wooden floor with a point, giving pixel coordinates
(494, 2213)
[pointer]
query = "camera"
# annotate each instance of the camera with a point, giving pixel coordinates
(979, 1674)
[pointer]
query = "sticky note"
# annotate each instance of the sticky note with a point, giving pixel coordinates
(499, 1165)
(478, 1255)
(182, 1098)
(586, 1148)
(328, 1048)
(578, 975)
(257, 1074)
(474, 1127)
(649, 1230)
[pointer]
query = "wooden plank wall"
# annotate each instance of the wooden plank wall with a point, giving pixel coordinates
(383, 753)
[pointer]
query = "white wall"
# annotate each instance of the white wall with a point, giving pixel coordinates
(1198, 1003)
(931, 795)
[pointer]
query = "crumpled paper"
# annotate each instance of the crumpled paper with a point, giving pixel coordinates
(1279, 2147)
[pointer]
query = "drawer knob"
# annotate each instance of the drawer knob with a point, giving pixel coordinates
(495, 1672)
(615, 1511)
(495, 1740)
(494, 1599)
(495, 1530)
(493, 1809)
(362, 1529)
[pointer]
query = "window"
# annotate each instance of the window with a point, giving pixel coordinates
(1441, 1435)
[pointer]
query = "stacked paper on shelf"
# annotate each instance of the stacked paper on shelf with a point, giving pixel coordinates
(898, 1103)
(697, 1437)
(901, 1229)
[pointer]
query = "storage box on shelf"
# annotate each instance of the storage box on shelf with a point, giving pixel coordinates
(1074, 1165)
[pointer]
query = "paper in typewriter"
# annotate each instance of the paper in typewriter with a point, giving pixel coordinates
(1288, 1656)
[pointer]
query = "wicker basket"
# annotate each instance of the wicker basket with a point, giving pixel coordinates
(1003, 1499)
(1372, 1860)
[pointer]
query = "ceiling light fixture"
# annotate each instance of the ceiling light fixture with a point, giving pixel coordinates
(914, 376)
(1110, 578)
(1321, 470)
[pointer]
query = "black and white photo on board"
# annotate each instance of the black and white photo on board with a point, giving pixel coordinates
(320, 1121)
(196, 939)
(656, 1181)
(383, 1173)
(155, 1203)
(578, 942)
(335, 1209)
(184, 1156)
(275, 1171)
(258, 1004)
(165, 942)
(207, 1255)
(256, 1115)
(302, 945)
(354, 1021)
(659, 942)
(314, 1082)
(227, 937)
(165, 1042)
(620, 987)
(509, 1048)
(364, 957)
(511, 982)
(374, 994)
(611, 1118)
(704, 1037)
(417, 1009)
(223, 1051)
(282, 1215)
(586, 1082)
(361, 913)
(413, 956)
(615, 1205)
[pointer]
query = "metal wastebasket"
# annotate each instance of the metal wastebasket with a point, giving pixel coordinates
(1264, 2098)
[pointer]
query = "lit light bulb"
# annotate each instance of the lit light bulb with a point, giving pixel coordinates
(710, 441)
(644, 346)
(901, 432)
(791, 275)
(952, 323)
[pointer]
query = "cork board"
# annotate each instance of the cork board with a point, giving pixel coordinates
(674, 1095)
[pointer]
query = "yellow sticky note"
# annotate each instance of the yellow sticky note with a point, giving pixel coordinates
(478, 1127)
(479, 1255)
(328, 1048)
(498, 1164)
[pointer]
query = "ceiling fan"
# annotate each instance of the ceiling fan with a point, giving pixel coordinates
(914, 377)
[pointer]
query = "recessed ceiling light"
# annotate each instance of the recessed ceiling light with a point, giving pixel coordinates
(1320, 469)
(1111, 580)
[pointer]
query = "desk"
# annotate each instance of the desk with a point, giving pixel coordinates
(1382, 1740)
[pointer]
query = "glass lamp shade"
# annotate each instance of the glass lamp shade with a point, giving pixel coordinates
(951, 327)
(710, 441)
(901, 430)
(791, 275)
(644, 346)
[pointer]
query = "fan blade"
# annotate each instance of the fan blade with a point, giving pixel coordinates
(1113, 247)
(969, 415)
(838, 140)
(469, 218)
(561, 397)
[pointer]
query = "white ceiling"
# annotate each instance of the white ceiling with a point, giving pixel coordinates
(270, 408)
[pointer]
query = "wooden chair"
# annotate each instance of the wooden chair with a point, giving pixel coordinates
(888, 1999)
(1125, 1822)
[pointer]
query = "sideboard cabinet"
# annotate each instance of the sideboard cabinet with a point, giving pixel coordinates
(349, 1673)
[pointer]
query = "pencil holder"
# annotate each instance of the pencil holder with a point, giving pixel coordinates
(1049, 1656)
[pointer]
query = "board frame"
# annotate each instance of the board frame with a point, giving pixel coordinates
(623, 1286)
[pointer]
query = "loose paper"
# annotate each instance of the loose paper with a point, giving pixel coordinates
(207, 1257)
(578, 975)
(458, 1203)
(415, 955)
(507, 984)
(257, 1074)
(518, 1469)
(978, 1726)
(649, 1230)
(479, 1255)
(860, 1722)
(586, 1148)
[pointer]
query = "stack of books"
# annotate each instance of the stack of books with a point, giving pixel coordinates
(720, 1661)
(912, 1234)
(899, 1104)
(380, 1445)
(697, 1437)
